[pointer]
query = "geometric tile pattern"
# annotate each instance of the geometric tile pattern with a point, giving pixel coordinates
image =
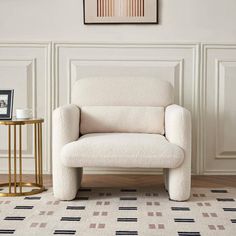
(113, 211)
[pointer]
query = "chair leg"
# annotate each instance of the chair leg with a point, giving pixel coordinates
(179, 183)
(66, 182)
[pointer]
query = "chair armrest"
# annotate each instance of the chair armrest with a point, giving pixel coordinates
(178, 127)
(178, 131)
(65, 123)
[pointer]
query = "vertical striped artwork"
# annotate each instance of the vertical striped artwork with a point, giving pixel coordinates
(120, 8)
(120, 11)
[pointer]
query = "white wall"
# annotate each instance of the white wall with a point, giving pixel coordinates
(193, 46)
(180, 20)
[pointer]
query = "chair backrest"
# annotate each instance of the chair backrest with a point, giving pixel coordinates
(122, 91)
(122, 104)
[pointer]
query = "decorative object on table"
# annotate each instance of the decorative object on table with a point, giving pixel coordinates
(23, 113)
(16, 186)
(6, 104)
(120, 11)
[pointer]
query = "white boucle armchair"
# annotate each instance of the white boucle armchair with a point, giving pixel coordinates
(121, 122)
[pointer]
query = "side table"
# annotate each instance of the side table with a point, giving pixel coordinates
(15, 185)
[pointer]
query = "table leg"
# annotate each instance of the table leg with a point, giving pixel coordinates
(35, 153)
(20, 156)
(15, 159)
(41, 159)
(9, 157)
(40, 154)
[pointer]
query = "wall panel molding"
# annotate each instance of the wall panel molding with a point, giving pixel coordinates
(202, 75)
(26, 67)
(218, 113)
(178, 63)
(221, 104)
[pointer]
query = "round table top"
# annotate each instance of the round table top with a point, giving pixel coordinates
(15, 121)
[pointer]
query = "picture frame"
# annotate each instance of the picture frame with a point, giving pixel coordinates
(6, 104)
(120, 11)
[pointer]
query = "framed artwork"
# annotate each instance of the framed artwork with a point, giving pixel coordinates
(120, 11)
(6, 104)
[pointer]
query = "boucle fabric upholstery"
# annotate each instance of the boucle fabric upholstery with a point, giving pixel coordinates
(122, 91)
(72, 152)
(122, 150)
(66, 180)
(178, 131)
(105, 119)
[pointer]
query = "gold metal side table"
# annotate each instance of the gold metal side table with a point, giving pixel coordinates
(15, 185)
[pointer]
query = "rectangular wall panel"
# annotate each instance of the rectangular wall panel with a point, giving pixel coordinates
(25, 67)
(18, 75)
(218, 126)
(226, 110)
(176, 63)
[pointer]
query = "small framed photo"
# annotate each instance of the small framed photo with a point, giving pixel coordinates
(120, 11)
(6, 104)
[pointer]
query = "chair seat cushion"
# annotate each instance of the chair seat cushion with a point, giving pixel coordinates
(122, 150)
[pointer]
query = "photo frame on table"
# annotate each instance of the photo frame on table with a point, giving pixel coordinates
(120, 11)
(6, 104)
